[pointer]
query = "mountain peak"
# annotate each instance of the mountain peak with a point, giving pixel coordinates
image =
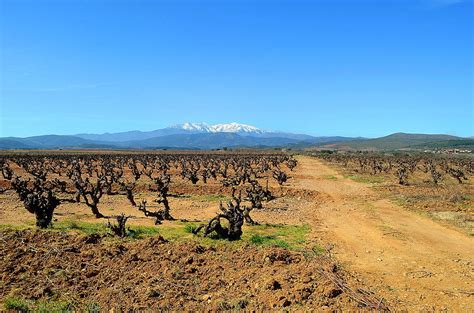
(218, 128)
(191, 126)
(235, 128)
(189, 134)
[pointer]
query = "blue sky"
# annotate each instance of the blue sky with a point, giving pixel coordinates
(354, 67)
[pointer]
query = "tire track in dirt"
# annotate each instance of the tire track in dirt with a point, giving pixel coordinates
(414, 262)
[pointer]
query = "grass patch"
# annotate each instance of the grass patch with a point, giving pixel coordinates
(177, 231)
(259, 239)
(190, 228)
(366, 179)
(54, 306)
(16, 304)
(138, 232)
(21, 305)
(292, 237)
(134, 231)
(13, 227)
(330, 177)
(283, 244)
(84, 227)
(317, 250)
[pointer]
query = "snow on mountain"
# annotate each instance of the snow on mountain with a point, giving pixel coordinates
(187, 135)
(234, 128)
(198, 127)
(186, 129)
(218, 128)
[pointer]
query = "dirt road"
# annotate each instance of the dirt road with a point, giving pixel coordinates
(414, 262)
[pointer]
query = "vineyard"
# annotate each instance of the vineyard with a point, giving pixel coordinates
(436, 185)
(91, 231)
(43, 182)
(404, 167)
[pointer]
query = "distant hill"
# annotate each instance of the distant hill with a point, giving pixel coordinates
(43, 142)
(205, 141)
(448, 144)
(10, 143)
(192, 129)
(183, 136)
(200, 136)
(182, 141)
(395, 141)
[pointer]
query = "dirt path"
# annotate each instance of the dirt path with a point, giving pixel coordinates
(411, 260)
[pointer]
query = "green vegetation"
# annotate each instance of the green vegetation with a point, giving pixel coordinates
(269, 240)
(447, 144)
(138, 232)
(92, 308)
(21, 305)
(190, 228)
(84, 227)
(401, 141)
(14, 227)
(259, 239)
(366, 179)
(134, 231)
(317, 250)
(291, 237)
(17, 304)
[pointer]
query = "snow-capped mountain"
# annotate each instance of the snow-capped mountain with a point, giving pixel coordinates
(188, 128)
(193, 127)
(218, 128)
(182, 136)
(235, 128)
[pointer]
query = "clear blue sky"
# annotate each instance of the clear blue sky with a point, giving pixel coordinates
(323, 67)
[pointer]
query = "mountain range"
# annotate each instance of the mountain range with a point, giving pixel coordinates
(193, 129)
(404, 141)
(232, 135)
(183, 136)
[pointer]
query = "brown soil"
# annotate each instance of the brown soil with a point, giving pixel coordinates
(155, 274)
(408, 258)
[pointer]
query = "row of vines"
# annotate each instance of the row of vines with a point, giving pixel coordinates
(404, 167)
(43, 182)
